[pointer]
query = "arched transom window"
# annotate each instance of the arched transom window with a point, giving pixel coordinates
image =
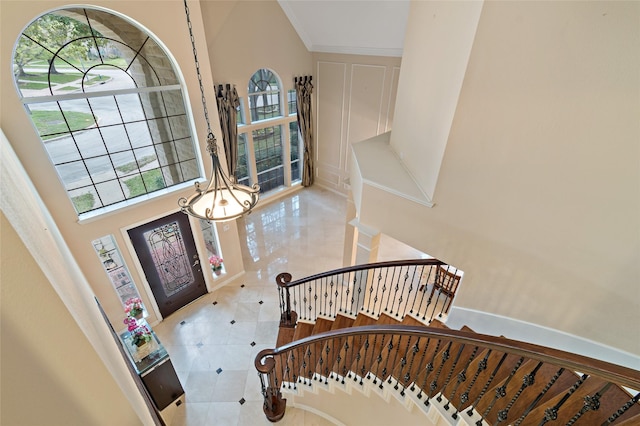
(268, 143)
(107, 103)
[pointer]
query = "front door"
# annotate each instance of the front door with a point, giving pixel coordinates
(167, 253)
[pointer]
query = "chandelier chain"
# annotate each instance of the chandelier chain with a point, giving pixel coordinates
(195, 57)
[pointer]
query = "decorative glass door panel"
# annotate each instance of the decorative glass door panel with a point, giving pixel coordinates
(167, 253)
(169, 257)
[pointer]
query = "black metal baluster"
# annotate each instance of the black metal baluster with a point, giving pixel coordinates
(315, 301)
(346, 356)
(365, 367)
(327, 351)
(333, 303)
(591, 403)
(286, 370)
(396, 286)
(539, 397)
(401, 298)
(461, 378)
(501, 391)
(429, 369)
(360, 356)
(304, 371)
(424, 295)
(376, 276)
(360, 297)
(424, 354)
(552, 412)
(451, 370)
(445, 356)
(390, 347)
(410, 289)
(486, 385)
(403, 362)
(620, 411)
(419, 268)
(379, 361)
(527, 380)
(375, 338)
(295, 367)
(324, 296)
(407, 376)
(435, 305)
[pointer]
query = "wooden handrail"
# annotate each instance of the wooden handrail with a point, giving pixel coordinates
(620, 375)
(402, 352)
(346, 290)
(284, 279)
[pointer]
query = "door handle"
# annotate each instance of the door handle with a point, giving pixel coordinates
(197, 262)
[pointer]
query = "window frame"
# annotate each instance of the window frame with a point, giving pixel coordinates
(283, 121)
(169, 164)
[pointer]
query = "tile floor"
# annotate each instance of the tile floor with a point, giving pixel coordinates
(213, 341)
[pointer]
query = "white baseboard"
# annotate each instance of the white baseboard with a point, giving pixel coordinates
(497, 325)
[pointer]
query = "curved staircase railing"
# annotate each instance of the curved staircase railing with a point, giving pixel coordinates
(491, 380)
(395, 288)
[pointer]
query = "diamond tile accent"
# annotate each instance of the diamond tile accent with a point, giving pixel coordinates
(183, 322)
(253, 343)
(215, 302)
(199, 344)
(261, 302)
(233, 321)
(219, 370)
(242, 401)
(242, 286)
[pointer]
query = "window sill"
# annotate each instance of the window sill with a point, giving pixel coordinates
(134, 202)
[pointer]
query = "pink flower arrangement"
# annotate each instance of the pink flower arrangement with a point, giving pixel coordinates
(215, 261)
(133, 307)
(140, 333)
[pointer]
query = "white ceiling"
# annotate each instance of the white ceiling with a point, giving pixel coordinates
(363, 27)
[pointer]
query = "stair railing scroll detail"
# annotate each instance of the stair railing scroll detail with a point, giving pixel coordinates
(433, 362)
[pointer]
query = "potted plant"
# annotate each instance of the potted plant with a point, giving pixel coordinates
(216, 263)
(134, 307)
(140, 334)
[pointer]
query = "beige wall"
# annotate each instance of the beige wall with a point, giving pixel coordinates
(50, 373)
(443, 33)
(355, 100)
(538, 197)
(244, 36)
(168, 23)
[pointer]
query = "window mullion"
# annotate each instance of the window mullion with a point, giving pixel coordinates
(251, 158)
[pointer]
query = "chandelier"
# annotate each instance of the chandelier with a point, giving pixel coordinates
(223, 198)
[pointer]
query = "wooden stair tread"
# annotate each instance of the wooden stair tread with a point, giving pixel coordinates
(409, 320)
(285, 335)
(328, 354)
(344, 358)
(363, 319)
(437, 323)
(322, 325)
(404, 359)
(612, 399)
(528, 394)
(385, 319)
(458, 358)
(303, 329)
(631, 421)
(342, 321)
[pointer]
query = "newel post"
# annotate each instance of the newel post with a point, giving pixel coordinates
(274, 404)
(288, 318)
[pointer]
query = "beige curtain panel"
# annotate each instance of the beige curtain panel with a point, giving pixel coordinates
(228, 102)
(304, 88)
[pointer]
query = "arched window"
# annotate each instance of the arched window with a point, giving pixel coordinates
(269, 137)
(107, 103)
